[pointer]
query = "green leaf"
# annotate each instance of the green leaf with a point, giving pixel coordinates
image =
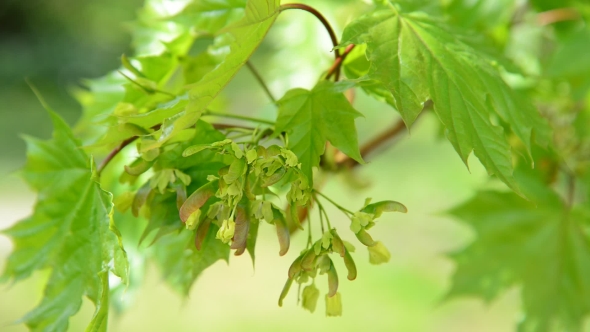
(210, 15)
(247, 34)
(71, 232)
(163, 217)
(313, 117)
(543, 247)
(483, 14)
(416, 58)
(571, 61)
(181, 263)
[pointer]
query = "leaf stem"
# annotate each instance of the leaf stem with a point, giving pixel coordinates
(320, 210)
(145, 89)
(323, 210)
(335, 68)
(114, 152)
(320, 17)
(340, 207)
(558, 15)
(309, 236)
(240, 117)
(261, 81)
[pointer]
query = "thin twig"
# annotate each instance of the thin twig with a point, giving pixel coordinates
(319, 17)
(338, 206)
(113, 153)
(558, 15)
(239, 117)
(372, 145)
(261, 81)
(132, 139)
(335, 69)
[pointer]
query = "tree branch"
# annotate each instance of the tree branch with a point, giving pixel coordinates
(335, 69)
(132, 139)
(319, 16)
(397, 129)
(113, 153)
(558, 15)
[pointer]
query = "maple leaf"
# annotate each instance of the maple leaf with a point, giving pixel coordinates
(313, 117)
(414, 58)
(245, 36)
(542, 246)
(71, 231)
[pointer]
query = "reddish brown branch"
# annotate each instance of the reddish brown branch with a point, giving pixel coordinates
(320, 17)
(397, 129)
(130, 140)
(335, 68)
(113, 153)
(558, 15)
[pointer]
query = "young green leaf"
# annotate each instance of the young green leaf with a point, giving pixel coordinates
(313, 117)
(75, 234)
(181, 263)
(246, 35)
(417, 58)
(210, 15)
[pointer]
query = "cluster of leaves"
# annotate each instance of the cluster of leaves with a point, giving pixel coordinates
(408, 54)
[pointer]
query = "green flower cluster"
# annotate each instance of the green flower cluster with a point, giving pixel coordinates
(240, 191)
(315, 261)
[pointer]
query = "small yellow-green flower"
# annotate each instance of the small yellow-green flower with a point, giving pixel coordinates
(251, 155)
(327, 239)
(360, 220)
(193, 220)
(378, 254)
(334, 305)
(290, 158)
(310, 297)
(226, 231)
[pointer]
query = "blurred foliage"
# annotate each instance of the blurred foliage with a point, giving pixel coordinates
(54, 44)
(512, 55)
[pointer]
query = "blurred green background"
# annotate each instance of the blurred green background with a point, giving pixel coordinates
(58, 43)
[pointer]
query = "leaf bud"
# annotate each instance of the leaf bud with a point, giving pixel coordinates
(378, 254)
(251, 155)
(193, 220)
(332, 279)
(310, 297)
(285, 291)
(334, 305)
(226, 231)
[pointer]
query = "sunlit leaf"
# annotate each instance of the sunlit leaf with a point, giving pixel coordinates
(70, 232)
(247, 34)
(181, 263)
(311, 118)
(417, 58)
